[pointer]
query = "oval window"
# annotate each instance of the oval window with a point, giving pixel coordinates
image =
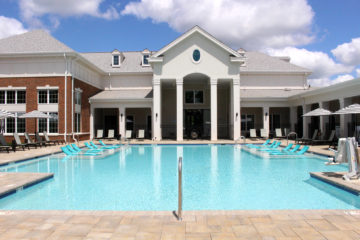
(196, 55)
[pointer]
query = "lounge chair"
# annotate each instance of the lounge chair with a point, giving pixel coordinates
(39, 140)
(128, 134)
(97, 147)
(104, 145)
(47, 139)
(99, 134)
(76, 148)
(307, 140)
(141, 134)
(323, 142)
(263, 133)
(287, 148)
(91, 147)
(23, 145)
(253, 133)
(111, 134)
(303, 150)
(264, 144)
(71, 153)
(3, 144)
(29, 140)
(278, 133)
(275, 146)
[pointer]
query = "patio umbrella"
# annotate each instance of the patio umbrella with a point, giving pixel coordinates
(317, 112)
(351, 109)
(35, 115)
(4, 114)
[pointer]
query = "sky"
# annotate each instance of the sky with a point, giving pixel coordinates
(321, 35)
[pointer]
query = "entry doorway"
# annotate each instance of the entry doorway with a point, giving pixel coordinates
(197, 123)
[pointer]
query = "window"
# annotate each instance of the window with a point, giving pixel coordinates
(48, 96)
(13, 125)
(43, 96)
(130, 122)
(77, 122)
(274, 121)
(21, 97)
(116, 60)
(194, 96)
(247, 122)
(10, 97)
(49, 125)
(78, 97)
(145, 60)
(2, 97)
(196, 55)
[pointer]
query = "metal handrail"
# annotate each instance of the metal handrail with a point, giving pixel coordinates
(178, 215)
(287, 137)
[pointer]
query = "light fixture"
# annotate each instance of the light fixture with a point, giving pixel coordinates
(121, 115)
(266, 114)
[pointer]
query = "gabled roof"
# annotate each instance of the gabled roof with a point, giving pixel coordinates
(260, 62)
(201, 31)
(130, 64)
(37, 41)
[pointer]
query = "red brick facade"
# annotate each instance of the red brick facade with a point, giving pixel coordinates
(31, 84)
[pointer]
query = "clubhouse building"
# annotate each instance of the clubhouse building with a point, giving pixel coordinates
(195, 87)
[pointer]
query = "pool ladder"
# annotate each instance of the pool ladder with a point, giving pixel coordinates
(178, 215)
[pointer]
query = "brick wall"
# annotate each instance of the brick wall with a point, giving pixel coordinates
(31, 84)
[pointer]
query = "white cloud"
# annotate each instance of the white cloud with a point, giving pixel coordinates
(348, 53)
(10, 26)
(319, 63)
(358, 72)
(321, 82)
(33, 10)
(251, 25)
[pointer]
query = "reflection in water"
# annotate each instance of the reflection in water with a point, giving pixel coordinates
(214, 167)
(157, 168)
(236, 166)
(141, 150)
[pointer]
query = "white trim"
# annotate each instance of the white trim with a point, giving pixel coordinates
(47, 87)
(274, 88)
(12, 88)
(193, 30)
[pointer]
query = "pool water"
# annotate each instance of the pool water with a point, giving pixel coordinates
(145, 178)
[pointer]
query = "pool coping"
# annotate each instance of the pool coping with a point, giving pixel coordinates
(37, 178)
(335, 179)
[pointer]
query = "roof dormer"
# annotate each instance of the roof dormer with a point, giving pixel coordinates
(145, 56)
(117, 58)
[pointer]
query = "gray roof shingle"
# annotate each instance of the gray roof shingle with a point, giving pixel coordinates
(130, 64)
(37, 41)
(131, 94)
(260, 62)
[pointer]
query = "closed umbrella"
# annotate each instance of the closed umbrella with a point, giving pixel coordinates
(35, 115)
(317, 112)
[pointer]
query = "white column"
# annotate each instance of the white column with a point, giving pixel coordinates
(322, 122)
(91, 122)
(213, 110)
(306, 120)
(236, 108)
(122, 120)
(156, 115)
(179, 109)
(344, 118)
(266, 118)
(293, 118)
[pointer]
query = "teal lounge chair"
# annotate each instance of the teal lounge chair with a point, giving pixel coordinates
(287, 148)
(265, 144)
(112, 146)
(76, 148)
(303, 150)
(287, 152)
(97, 148)
(70, 153)
(271, 148)
(91, 147)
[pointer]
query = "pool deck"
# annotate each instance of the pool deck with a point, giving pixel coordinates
(196, 225)
(10, 182)
(335, 178)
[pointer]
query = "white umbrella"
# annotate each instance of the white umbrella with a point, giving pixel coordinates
(5, 114)
(352, 109)
(35, 115)
(317, 112)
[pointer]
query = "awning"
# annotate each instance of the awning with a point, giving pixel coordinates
(123, 95)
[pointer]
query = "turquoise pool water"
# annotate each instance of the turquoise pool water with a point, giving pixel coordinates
(145, 178)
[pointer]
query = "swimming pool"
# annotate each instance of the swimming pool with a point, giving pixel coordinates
(145, 178)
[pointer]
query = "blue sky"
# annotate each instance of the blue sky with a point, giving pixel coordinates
(320, 35)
